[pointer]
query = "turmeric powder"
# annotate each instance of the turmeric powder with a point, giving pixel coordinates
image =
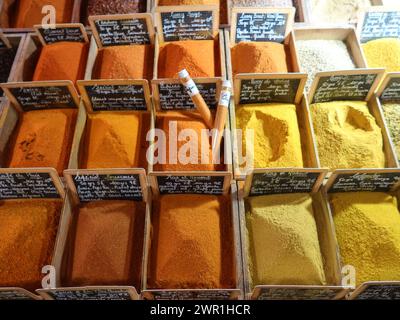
(383, 53)
(28, 230)
(347, 135)
(196, 56)
(367, 228)
(259, 57)
(43, 139)
(192, 245)
(62, 61)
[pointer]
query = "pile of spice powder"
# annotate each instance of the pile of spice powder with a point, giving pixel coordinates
(383, 53)
(124, 62)
(192, 244)
(7, 56)
(188, 147)
(29, 12)
(277, 140)
(367, 228)
(107, 244)
(28, 230)
(338, 11)
(104, 7)
(262, 3)
(322, 55)
(347, 135)
(43, 138)
(283, 246)
(6, 13)
(186, 2)
(62, 61)
(112, 140)
(196, 56)
(259, 57)
(392, 116)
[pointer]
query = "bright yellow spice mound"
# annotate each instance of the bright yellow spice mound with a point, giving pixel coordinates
(283, 246)
(368, 231)
(383, 53)
(276, 134)
(347, 135)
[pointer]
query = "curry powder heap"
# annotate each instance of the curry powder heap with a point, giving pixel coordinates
(383, 53)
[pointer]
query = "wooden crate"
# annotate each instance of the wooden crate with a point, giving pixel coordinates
(17, 40)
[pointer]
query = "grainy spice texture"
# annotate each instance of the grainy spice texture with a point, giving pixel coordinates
(188, 144)
(383, 53)
(6, 61)
(322, 55)
(186, 2)
(192, 243)
(107, 244)
(347, 135)
(43, 138)
(124, 62)
(337, 11)
(112, 140)
(283, 246)
(368, 232)
(392, 117)
(259, 57)
(62, 61)
(196, 56)
(277, 140)
(5, 13)
(262, 3)
(29, 12)
(28, 229)
(104, 7)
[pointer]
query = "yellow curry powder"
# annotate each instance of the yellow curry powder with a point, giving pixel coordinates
(283, 245)
(368, 232)
(277, 140)
(347, 135)
(383, 53)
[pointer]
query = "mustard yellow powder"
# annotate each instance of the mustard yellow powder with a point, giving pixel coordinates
(347, 135)
(277, 140)
(383, 53)
(368, 232)
(283, 246)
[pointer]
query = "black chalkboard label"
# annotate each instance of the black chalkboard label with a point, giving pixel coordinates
(110, 97)
(90, 294)
(14, 295)
(282, 182)
(92, 187)
(35, 98)
(344, 87)
(380, 292)
(192, 294)
(191, 184)
(259, 26)
(123, 32)
(381, 24)
(392, 90)
(27, 186)
(190, 25)
(268, 90)
(285, 293)
(73, 34)
(173, 96)
(380, 182)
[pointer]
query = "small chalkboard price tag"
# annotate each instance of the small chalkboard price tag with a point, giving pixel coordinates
(296, 293)
(391, 91)
(379, 291)
(356, 87)
(261, 24)
(277, 182)
(41, 95)
(283, 90)
(379, 181)
(115, 95)
(380, 24)
(189, 184)
(173, 95)
(90, 293)
(74, 32)
(118, 30)
(92, 186)
(187, 294)
(27, 185)
(187, 23)
(16, 294)
(4, 42)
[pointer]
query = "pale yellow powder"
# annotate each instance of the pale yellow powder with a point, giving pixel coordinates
(283, 246)
(383, 53)
(276, 140)
(347, 135)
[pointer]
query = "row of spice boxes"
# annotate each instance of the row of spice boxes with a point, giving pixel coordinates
(86, 187)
